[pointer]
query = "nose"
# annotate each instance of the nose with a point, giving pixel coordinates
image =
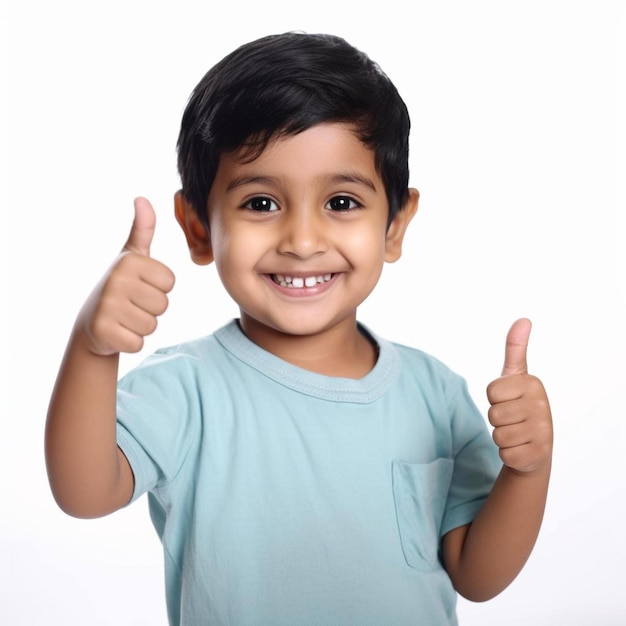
(304, 234)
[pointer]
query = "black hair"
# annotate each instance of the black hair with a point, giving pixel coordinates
(281, 85)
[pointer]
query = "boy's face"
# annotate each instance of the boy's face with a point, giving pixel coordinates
(299, 235)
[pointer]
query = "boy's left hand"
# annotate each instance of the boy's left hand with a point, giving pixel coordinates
(520, 411)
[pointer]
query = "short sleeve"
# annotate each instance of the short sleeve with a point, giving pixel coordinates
(476, 461)
(156, 419)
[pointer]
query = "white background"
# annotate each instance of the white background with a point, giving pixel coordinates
(522, 179)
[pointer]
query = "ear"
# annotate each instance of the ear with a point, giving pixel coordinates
(196, 234)
(397, 228)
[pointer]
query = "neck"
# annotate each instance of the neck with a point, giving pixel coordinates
(341, 351)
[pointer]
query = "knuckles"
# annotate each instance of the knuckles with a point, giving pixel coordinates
(523, 429)
(133, 266)
(526, 459)
(513, 387)
(123, 308)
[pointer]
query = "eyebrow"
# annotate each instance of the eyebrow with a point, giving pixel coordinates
(241, 181)
(344, 177)
(353, 177)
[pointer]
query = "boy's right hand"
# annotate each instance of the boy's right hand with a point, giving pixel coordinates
(124, 306)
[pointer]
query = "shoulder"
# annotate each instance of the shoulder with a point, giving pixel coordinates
(417, 363)
(422, 374)
(186, 361)
(421, 358)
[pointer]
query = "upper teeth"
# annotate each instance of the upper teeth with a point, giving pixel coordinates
(297, 282)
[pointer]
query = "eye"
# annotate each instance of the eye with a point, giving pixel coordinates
(261, 203)
(343, 203)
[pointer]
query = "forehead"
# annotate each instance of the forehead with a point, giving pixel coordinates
(326, 149)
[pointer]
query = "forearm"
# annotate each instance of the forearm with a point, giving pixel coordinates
(88, 474)
(484, 558)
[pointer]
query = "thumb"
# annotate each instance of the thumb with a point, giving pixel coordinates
(142, 230)
(516, 347)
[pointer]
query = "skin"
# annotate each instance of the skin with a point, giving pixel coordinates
(301, 236)
(311, 205)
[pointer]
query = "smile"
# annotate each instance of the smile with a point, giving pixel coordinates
(300, 282)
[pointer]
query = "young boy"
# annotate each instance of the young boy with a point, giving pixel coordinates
(300, 469)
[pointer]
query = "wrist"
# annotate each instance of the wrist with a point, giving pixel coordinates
(538, 472)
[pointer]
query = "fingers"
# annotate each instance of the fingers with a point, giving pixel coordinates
(516, 348)
(509, 388)
(142, 230)
(519, 411)
(147, 270)
(507, 437)
(124, 306)
(509, 399)
(525, 445)
(150, 297)
(124, 331)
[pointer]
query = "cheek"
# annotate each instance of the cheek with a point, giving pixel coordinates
(366, 245)
(236, 252)
(224, 250)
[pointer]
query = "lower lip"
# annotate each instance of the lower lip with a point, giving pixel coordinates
(302, 292)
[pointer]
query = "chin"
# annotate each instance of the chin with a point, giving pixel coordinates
(298, 326)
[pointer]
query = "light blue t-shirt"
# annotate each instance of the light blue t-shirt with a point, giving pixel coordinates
(284, 497)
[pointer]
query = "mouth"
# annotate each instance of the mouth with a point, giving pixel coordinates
(300, 282)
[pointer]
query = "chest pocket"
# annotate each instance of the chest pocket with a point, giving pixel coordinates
(420, 492)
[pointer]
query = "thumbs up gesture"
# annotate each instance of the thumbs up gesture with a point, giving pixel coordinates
(124, 306)
(520, 412)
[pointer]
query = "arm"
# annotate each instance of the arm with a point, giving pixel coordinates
(484, 557)
(89, 475)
